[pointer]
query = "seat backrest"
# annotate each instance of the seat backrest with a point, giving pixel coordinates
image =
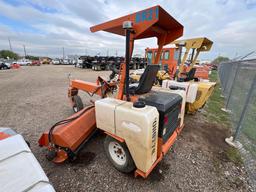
(191, 74)
(147, 79)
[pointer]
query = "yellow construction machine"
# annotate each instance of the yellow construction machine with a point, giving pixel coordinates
(193, 79)
(188, 76)
(197, 45)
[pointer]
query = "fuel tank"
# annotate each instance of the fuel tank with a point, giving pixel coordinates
(137, 126)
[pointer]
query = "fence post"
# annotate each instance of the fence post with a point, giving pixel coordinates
(226, 82)
(220, 73)
(231, 89)
(247, 101)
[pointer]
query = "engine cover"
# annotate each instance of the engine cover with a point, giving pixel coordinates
(169, 108)
(182, 93)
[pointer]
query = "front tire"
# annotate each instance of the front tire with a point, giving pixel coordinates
(119, 155)
(78, 103)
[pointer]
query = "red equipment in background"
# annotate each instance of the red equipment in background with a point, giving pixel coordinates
(15, 66)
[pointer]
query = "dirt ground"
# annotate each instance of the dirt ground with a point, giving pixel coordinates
(34, 98)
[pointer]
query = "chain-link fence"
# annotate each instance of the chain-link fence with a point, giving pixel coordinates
(238, 83)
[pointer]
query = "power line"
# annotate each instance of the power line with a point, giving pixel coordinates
(25, 53)
(10, 44)
(247, 55)
(63, 52)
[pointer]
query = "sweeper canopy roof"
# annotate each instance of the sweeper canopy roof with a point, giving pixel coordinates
(151, 22)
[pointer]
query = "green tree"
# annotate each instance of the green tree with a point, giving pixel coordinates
(220, 59)
(30, 57)
(8, 54)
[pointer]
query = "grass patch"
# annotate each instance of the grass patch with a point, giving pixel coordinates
(234, 155)
(215, 114)
(215, 103)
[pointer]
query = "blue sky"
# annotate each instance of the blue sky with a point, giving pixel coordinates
(45, 26)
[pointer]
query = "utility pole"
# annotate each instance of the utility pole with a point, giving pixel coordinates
(107, 53)
(116, 53)
(10, 44)
(25, 53)
(63, 52)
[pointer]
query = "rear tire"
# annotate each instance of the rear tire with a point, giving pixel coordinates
(78, 103)
(119, 155)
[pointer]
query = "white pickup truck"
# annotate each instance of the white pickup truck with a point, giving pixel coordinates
(24, 62)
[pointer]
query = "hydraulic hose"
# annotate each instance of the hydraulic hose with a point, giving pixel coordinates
(65, 121)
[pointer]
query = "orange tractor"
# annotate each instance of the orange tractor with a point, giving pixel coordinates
(169, 59)
(140, 124)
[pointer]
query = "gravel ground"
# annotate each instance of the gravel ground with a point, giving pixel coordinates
(34, 98)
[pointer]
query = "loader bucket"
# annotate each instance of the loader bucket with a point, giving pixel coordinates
(205, 90)
(198, 45)
(202, 43)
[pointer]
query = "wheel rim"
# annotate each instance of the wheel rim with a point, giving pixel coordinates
(117, 153)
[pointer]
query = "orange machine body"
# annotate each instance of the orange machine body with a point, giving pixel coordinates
(202, 72)
(101, 87)
(169, 57)
(70, 136)
(151, 22)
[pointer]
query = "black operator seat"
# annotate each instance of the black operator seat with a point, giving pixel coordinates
(146, 81)
(190, 76)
